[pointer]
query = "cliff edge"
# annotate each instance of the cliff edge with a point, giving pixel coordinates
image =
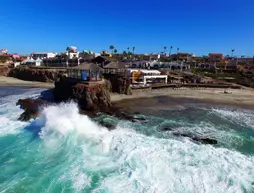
(93, 97)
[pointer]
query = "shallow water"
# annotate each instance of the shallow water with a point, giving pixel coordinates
(63, 151)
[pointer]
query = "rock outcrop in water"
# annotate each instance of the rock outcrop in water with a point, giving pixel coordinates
(203, 140)
(93, 97)
(31, 108)
(36, 74)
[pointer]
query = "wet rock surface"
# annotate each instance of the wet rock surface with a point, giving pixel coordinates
(93, 98)
(31, 107)
(197, 139)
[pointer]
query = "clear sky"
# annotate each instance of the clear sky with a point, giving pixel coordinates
(195, 26)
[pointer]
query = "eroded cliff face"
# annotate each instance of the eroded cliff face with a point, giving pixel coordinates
(4, 70)
(93, 97)
(119, 84)
(33, 74)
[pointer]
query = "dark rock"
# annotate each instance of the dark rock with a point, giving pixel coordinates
(166, 129)
(205, 140)
(31, 108)
(197, 139)
(132, 118)
(109, 126)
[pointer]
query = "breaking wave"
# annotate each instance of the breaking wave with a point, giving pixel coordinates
(63, 151)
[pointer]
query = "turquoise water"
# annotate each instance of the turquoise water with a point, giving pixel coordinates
(63, 151)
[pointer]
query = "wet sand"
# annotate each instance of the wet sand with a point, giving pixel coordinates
(149, 100)
(9, 81)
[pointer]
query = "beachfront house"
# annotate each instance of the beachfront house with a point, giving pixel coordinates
(146, 77)
(85, 72)
(215, 57)
(43, 55)
(31, 62)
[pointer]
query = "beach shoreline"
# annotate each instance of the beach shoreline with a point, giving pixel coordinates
(239, 97)
(142, 101)
(9, 81)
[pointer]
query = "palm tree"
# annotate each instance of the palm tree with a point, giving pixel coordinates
(133, 49)
(128, 49)
(233, 50)
(165, 48)
(171, 47)
(177, 53)
(111, 48)
(115, 51)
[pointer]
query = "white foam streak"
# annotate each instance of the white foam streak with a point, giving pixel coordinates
(242, 117)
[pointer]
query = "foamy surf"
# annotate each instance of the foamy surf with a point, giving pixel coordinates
(63, 151)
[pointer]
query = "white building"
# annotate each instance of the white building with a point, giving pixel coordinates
(72, 55)
(144, 77)
(32, 62)
(43, 55)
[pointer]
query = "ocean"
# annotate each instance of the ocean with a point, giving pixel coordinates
(63, 151)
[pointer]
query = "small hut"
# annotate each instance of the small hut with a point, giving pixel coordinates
(115, 68)
(86, 72)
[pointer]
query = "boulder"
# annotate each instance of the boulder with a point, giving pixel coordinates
(31, 108)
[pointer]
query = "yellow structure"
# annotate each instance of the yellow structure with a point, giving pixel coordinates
(135, 75)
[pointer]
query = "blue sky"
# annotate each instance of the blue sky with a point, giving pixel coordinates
(195, 26)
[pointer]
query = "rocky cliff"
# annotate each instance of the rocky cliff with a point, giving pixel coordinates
(36, 74)
(93, 97)
(4, 70)
(119, 84)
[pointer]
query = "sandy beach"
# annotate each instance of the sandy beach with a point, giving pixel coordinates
(242, 97)
(9, 81)
(170, 97)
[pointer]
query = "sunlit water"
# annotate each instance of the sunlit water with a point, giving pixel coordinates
(63, 151)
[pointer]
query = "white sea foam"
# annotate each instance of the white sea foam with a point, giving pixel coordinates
(65, 119)
(139, 163)
(133, 162)
(242, 117)
(9, 112)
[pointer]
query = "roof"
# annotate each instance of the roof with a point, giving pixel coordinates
(115, 65)
(110, 59)
(43, 53)
(144, 71)
(183, 53)
(87, 66)
(28, 60)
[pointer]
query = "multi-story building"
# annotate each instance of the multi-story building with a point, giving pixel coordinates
(43, 55)
(215, 57)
